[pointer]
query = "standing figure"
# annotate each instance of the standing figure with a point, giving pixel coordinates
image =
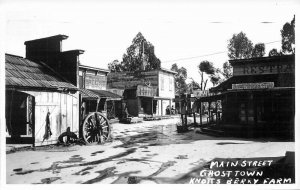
(48, 132)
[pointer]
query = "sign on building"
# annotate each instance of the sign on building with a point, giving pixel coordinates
(132, 79)
(260, 85)
(146, 91)
(201, 93)
(95, 82)
(263, 68)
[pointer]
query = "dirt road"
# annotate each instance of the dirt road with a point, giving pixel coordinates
(148, 152)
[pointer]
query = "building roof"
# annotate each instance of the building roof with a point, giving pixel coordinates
(95, 94)
(243, 79)
(88, 94)
(288, 78)
(93, 68)
(272, 59)
(23, 73)
(259, 78)
(58, 37)
(106, 94)
(168, 71)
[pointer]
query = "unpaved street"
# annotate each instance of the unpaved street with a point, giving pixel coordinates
(148, 152)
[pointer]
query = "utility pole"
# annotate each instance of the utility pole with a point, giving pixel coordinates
(143, 66)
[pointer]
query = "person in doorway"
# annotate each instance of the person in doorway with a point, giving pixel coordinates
(173, 110)
(125, 113)
(168, 110)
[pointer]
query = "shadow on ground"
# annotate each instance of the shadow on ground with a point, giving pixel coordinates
(260, 170)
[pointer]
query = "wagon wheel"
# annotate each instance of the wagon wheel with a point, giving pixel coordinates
(95, 128)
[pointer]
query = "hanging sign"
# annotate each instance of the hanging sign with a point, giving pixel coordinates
(201, 93)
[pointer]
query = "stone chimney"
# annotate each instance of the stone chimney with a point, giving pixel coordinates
(49, 51)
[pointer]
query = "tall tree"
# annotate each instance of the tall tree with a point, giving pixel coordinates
(288, 37)
(139, 56)
(180, 79)
(239, 47)
(273, 52)
(258, 50)
(205, 67)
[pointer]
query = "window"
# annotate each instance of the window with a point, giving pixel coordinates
(170, 83)
(162, 83)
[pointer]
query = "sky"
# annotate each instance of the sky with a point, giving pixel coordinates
(182, 32)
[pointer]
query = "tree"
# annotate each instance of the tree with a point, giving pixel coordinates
(273, 52)
(180, 79)
(227, 70)
(258, 50)
(239, 47)
(140, 55)
(288, 37)
(219, 75)
(115, 66)
(208, 68)
(193, 85)
(215, 78)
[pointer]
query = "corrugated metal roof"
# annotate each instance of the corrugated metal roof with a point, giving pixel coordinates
(95, 94)
(21, 72)
(106, 94)
(88, 94)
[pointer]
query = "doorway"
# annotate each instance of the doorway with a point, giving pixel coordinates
(19, 116)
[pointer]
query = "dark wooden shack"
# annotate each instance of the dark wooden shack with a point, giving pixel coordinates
(258, 100)
(40, 104)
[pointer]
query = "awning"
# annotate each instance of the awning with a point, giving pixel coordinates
(87, 94)
(230, 91)
(244, 79)
(106, 94)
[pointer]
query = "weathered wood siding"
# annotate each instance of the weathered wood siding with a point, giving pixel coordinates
(130, 79)
(166, 85)
(63, 110)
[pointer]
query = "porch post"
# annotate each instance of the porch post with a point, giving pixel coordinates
(194, 118)
(33, 121)
(217, 115)
(152, 107)
(200, 114)
(209, 110)
(98, 100)
(161, 107)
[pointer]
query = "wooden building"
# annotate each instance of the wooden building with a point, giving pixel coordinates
(94, 95)
(40, 103)
(258, 100)
(145, 92)
(90, 80)
(44, 86)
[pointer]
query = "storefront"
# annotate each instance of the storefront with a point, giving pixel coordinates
(94, 96)
(259, 100)
(146, 93)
